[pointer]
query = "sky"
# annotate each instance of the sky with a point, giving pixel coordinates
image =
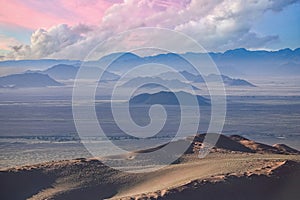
(31, 29)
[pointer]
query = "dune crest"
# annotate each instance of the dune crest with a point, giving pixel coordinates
(237, 186)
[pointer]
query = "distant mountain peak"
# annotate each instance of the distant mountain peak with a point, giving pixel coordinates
(169, 98)
(285, 50)
(239, 50)
(120, 55)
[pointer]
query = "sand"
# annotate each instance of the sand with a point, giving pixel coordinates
(236, 169)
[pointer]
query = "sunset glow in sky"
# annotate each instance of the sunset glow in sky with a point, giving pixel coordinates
(31, 29)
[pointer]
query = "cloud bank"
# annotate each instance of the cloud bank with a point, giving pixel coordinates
(217, 25)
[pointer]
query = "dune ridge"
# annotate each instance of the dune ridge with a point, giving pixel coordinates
(249, 185)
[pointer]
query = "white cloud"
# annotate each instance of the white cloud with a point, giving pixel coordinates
(44, 43)
(228, 25)
(216, 24)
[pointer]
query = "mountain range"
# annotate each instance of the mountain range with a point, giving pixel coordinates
(63, 72)
(237, 62)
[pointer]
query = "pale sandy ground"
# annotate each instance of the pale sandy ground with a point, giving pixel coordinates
(225, 173)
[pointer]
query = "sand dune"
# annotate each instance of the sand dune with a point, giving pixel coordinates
(237, 168)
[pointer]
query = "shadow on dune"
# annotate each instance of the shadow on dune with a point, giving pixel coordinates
(75, 179)
(91, 193)
(23, 184)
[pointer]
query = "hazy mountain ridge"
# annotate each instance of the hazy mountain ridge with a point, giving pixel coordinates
(257, 62)
(145, 81)
(28, 80)
(231, 81)
(67, 72)
(38, 63)
(228, 81)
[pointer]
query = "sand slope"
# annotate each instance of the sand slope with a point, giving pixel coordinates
(234, 170)
(280, 182)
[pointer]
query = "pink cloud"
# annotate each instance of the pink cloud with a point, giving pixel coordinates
(36, 14)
